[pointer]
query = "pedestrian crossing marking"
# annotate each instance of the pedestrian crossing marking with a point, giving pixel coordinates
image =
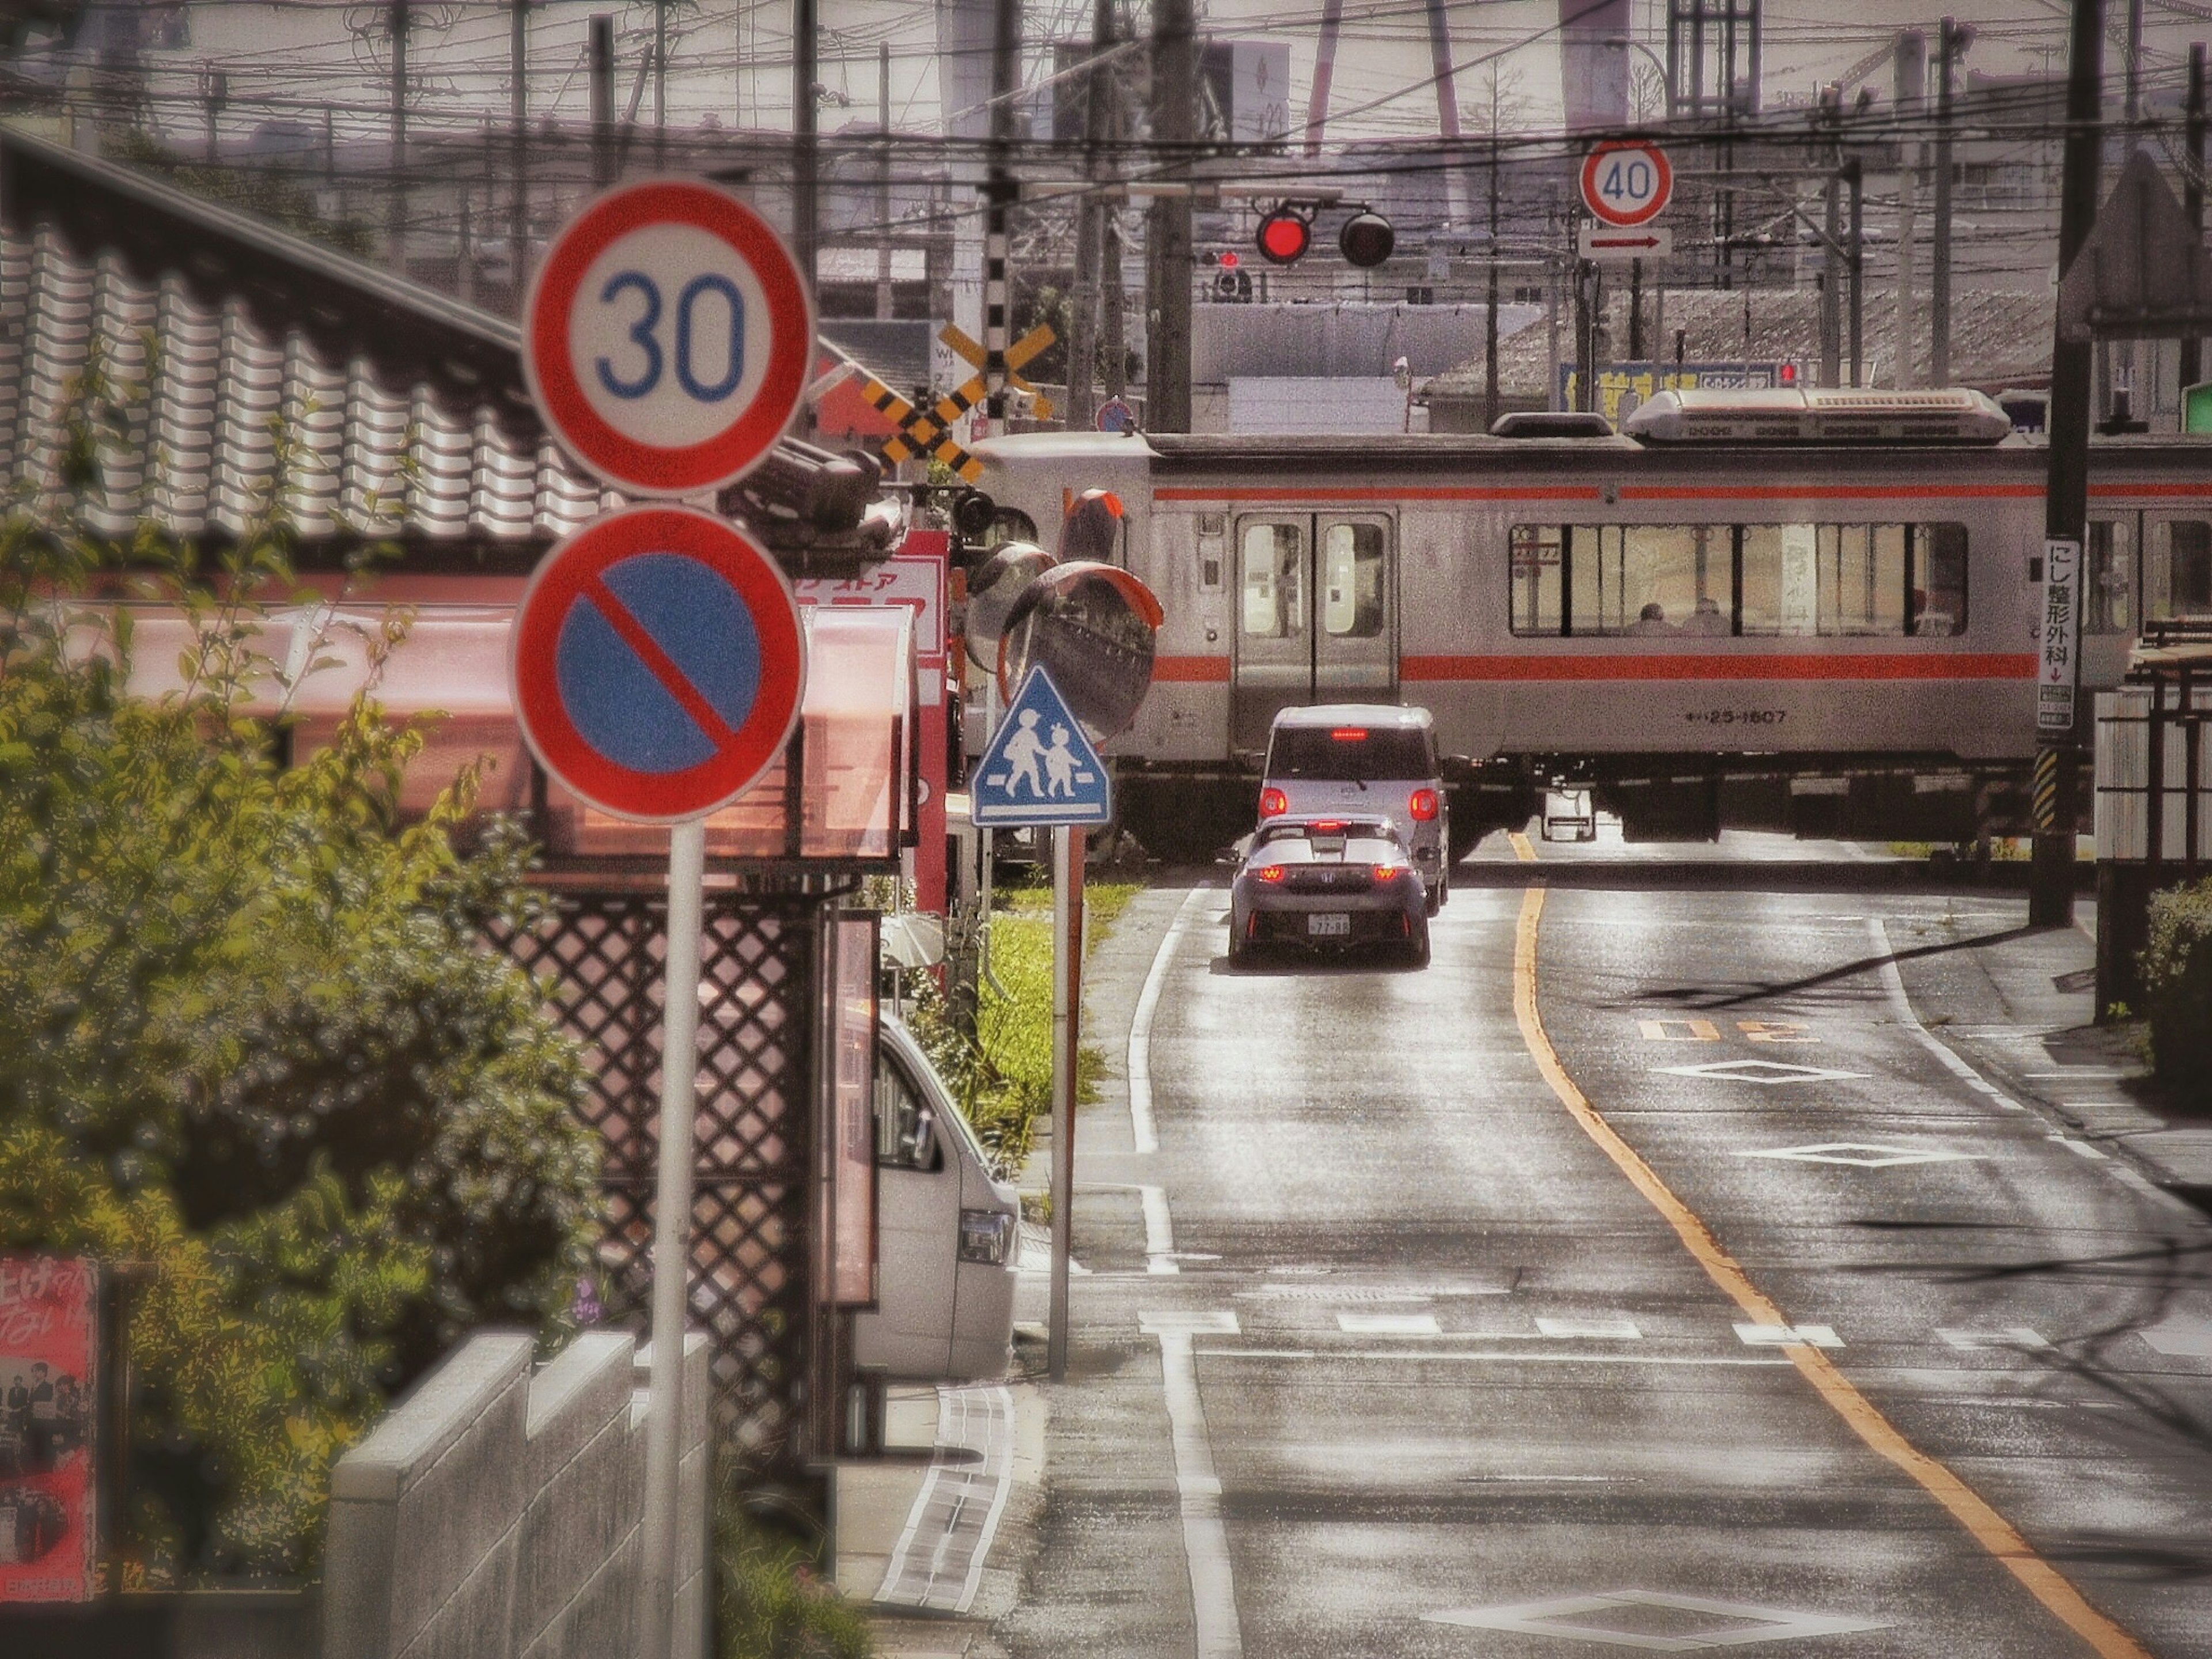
(2008, 1336)
(1788, 1336)
(1388, 1324)
(1600, 1330)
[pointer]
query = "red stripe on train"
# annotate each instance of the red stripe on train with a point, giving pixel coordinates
(1933, 666)
(1191, 671)
(1418, 493)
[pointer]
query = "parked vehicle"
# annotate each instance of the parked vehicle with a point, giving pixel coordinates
(1333, 884)
(948, 1232)
(1367, 759)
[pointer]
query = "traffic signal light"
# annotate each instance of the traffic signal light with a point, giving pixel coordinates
(1366, 239)
(1284, 236)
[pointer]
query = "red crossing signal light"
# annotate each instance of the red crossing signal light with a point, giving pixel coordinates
(1284, 236)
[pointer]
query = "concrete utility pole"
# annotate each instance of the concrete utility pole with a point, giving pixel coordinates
(1490, 411)
(1174, 98)
(603, 97)
(1854, 183)
(999, 193)
(806, 233)
(2192, 198)
(215, 93)
(659, 69)
(2066, 493)
(1090, 227)
(398, 21)
(1909, 95)
(1831, 242)
(884, 184)
(1951, 43)
(517, 235)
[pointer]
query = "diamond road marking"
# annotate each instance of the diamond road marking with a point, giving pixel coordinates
(1602, 1618)
(2007, 1336)
(1611, 1330)
(2180, 1336)
(1779, 1336)
(1386, 1324)
(1760, 1071)
(1863, 1154)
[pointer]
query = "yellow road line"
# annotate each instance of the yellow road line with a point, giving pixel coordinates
(1990, 1529)
(1522, 849)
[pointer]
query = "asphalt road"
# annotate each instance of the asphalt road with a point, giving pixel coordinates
(1439, 1330)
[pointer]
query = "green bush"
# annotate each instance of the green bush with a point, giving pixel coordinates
(771, 1601)
(2176, 971)
(256, 1057)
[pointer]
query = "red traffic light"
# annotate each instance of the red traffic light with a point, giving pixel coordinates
(1366, 239)
(1284, 236)
(1229, 260)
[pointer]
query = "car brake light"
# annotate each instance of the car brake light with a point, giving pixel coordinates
(1273, 803)
(1423, 805)
(1328, 826)
(1388, 871)
(1270, 872)
(1350, 734)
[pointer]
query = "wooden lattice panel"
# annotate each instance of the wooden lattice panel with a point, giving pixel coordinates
(599, 957)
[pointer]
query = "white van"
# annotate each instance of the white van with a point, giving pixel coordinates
(947, 1234)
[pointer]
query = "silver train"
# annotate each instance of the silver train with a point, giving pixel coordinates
(1815, 612)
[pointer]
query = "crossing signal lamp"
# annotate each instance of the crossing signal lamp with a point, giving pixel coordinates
(1284, 236)
(1366, 239)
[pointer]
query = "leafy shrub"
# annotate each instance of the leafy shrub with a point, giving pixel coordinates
(255, 1057)
(770, 1599)
(2176, 969)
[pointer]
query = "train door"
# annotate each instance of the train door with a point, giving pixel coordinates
(1317, 616)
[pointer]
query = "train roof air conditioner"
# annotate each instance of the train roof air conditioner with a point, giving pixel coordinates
(1820, 415)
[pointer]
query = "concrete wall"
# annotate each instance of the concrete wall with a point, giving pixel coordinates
(493, 1514)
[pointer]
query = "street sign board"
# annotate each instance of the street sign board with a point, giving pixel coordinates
(1626, 182)
(2056, 674)
(1115, 416)
(1604, 242)
(667, 337)
(1039, 766)
(657, 663)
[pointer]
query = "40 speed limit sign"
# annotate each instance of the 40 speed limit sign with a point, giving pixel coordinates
(1627, 182)
(667, 337)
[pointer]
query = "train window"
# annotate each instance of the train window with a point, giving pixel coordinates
(2177, 568)
(1538, 560)
(1352, 581)
(1805, 580)
(2108, 573)
(1272, 570)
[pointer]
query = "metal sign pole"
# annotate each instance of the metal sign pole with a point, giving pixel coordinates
(671, 1232)
(1067, 849)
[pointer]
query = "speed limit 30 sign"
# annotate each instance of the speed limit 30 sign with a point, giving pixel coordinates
(1627, 182)
(667, 337)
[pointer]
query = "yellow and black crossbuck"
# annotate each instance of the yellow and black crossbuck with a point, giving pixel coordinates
(930, 431)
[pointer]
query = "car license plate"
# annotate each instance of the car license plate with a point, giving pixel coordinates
(1328, 925)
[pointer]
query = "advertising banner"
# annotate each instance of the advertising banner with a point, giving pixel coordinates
(49, 1346)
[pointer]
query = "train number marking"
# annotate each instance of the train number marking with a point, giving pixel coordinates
(1736, 716)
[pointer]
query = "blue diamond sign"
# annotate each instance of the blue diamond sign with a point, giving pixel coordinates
(1039, 766)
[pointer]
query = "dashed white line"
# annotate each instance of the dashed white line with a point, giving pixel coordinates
(1142, 1129)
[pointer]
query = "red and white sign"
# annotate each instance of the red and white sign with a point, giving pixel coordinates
(657, 663)
(911, 580)
(667, 337)
(49, 1380)
(1627, 181)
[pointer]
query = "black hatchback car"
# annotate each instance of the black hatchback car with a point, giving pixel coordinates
(1333, 882)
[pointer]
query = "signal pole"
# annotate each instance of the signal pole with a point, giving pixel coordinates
(2066, 493)
(2193, 194)
(1950, 45)
(1167, 334)
(804, 231)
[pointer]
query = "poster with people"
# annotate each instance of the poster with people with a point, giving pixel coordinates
(49, 1335)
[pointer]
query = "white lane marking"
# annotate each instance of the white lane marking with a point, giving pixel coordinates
(2180, 1336)
(1476, 1356)
(1863, 1154)
(2008, 1336)
(1901, 1004)
(1388, 1324)
(1560, 1616)
(1161, 1256)
(2081, 1148)
(1142, 1129)
(1784, 1336)
(1764, 1071)
(1204, 1539)
(1602, 1330)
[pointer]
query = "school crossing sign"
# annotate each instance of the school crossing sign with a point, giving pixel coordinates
(1040, 767)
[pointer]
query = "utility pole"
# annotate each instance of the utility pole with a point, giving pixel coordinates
(2066, 493)
(1909, 94)
(215, 93)
(1175, 97)
(659, 69)
(1855, 184)
(517, 235)
(806, 232)
(883, 183)
(1490, 411)
(2192, 361)
(1951, 43)
(2134, 111)
(999, 193)
(1089, 225)
(1831, 241)
(396, 232)
(603, 97)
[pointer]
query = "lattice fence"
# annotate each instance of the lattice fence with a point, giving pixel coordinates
(602, 952)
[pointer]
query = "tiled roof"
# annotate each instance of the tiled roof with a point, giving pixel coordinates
(404, 412)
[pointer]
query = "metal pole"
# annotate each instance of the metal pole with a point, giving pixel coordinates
(1910, 93)
(661, 1523)
(603, 97)
(2066, 493)
(1636, 310)
(1854, 183)
(2193, 193)
(1832, 243)
(1947, 47)
(517, 235)
(999, 193)
(1174, 98)
(1083, 345)
(659, 69)
(884, 184)
(804, 200)
(1067, 850)
(1490, 411)
(396, 228)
